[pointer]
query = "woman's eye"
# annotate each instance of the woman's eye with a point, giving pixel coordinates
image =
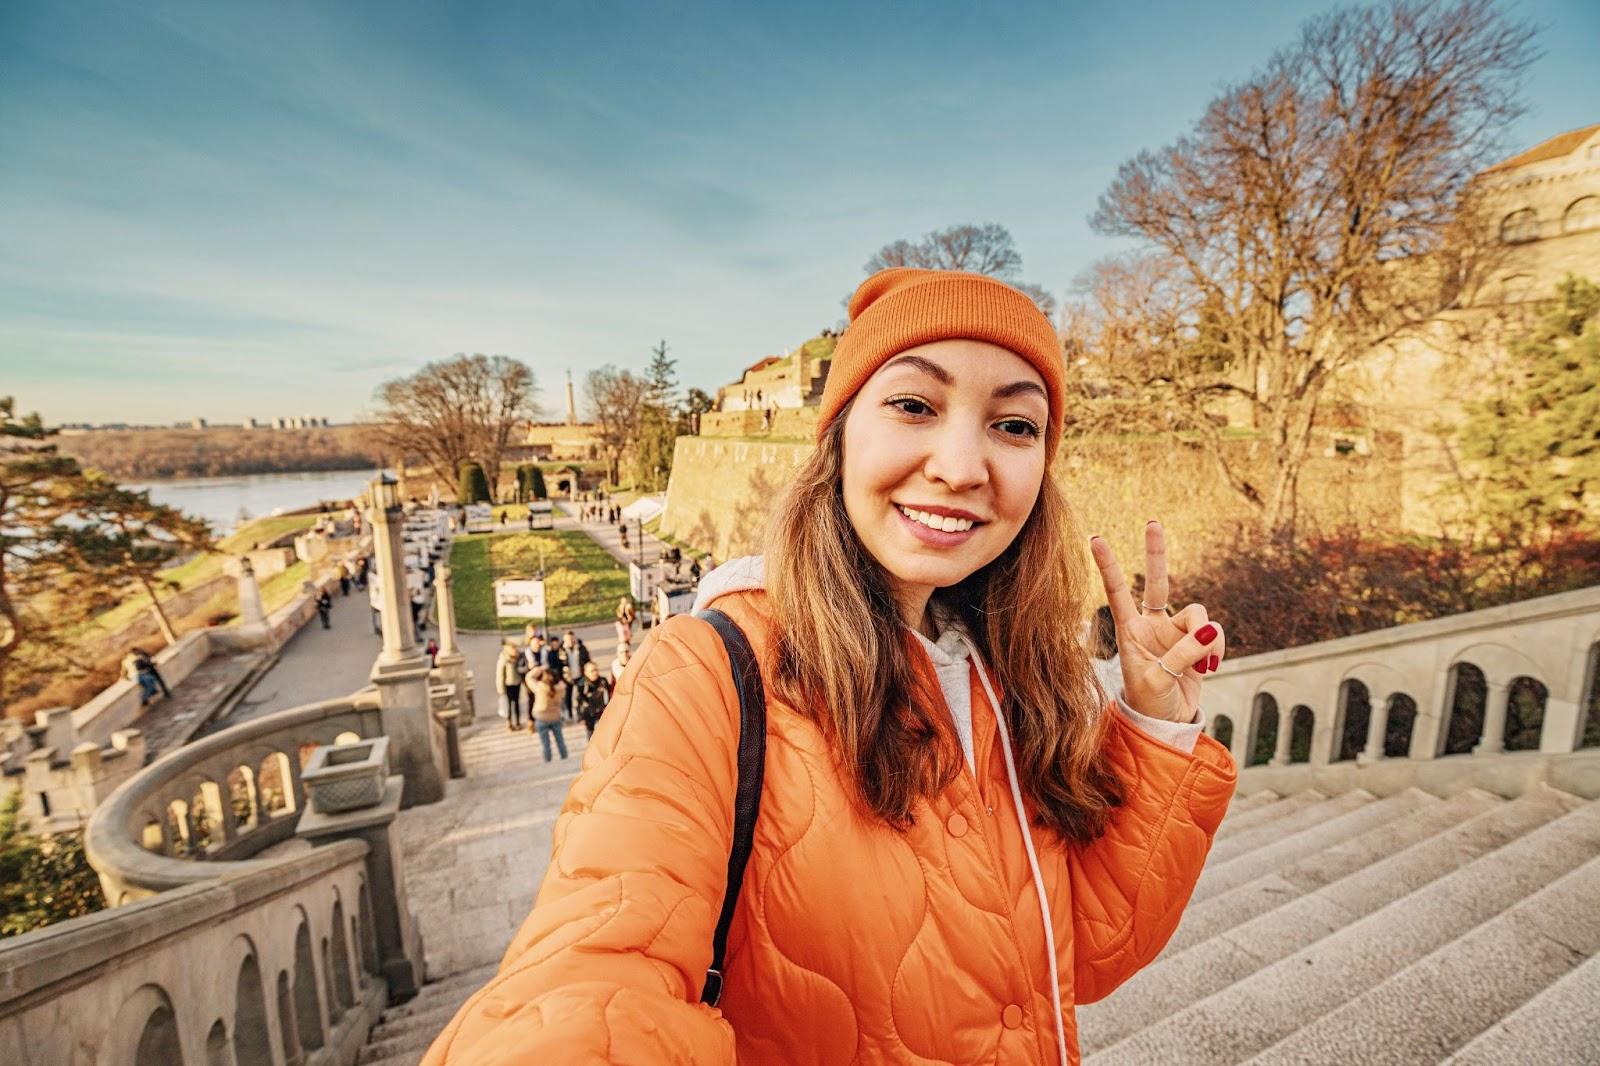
(1019, 427)
(910, 405)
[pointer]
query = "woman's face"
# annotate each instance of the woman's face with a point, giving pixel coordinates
(949, 433)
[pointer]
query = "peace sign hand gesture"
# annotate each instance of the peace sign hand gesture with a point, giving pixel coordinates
(1162, 657)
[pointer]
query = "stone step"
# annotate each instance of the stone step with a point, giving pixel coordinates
(449, 988)
(1560, 1024)
(1288, 920)
(408, 1048)
(1241, 804)
(1316, 814)
(1440, 1002)
(1260, 1010)
(1219, 876)
(1268, 812)
(1382, 865)
(430, 1021)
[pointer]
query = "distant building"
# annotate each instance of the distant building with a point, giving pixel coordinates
(197, 423)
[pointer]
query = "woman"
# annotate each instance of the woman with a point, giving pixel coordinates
(619, 663)
(590, 695)
(959, 838)
(508, 682)
(544, 710)
(625, 618)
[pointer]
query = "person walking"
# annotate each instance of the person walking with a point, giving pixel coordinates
(544, 713)
(575, 656)
(593, 693)
(508, 674)
(433, 653)
(325, 608)
(957, 836)
(619, 663)
(625, 616)
(344, 578)
(137, 666)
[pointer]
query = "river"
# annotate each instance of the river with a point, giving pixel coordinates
(219, 500)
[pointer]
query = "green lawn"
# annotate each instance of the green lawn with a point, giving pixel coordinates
(582, 583)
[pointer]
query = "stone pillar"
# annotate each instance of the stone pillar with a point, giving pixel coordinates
(416, 742)
(86, 775)
(253, 629)
(394, 926)
(1377, 726)
(1495, 705)
(450, 662)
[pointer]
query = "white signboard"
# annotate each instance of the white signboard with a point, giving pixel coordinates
(642, 582)
(480, 518)
(515, 598)
(671, 601)
(543, 514)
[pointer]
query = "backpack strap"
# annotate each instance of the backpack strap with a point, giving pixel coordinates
(747, 796)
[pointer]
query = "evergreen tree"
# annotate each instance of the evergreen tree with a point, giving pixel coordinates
(536, 489)
(474, 485)
(43, 879)
(1534, 441)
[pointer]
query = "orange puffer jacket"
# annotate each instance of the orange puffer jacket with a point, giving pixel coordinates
(851, 942)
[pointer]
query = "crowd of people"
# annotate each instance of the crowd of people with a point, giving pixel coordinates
(550, 682)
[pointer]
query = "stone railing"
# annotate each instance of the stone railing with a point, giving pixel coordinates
(1511, 685)
(221, 799)
(280, 965)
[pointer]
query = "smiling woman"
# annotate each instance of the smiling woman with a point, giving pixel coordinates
(956, 822)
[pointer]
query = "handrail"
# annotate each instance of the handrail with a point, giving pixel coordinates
(109, 840)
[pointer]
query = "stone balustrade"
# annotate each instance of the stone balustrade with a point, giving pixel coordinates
(221, 799)
(278, 966)
(1397, 707)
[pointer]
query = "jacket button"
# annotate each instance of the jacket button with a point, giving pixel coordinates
(957, 825)
(1011, 1016)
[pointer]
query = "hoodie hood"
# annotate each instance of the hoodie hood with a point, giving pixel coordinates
(743, 574)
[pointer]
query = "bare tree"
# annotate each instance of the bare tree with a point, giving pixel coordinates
(619, 399)
(986, 249)
(1321, 208)
(453, 410)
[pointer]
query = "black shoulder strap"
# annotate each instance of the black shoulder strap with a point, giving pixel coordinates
(747, 797)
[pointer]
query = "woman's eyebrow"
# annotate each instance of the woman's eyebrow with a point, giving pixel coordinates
(927, 366)
(1017, 388)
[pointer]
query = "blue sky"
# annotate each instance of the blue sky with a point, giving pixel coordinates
(224, 210)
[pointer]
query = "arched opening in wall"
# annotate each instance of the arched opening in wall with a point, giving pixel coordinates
(366, 935)
(1519, 226)
(343, 988)
(217, 1045)
(288, 1031)
(1525, 702)
(347, 737)
(1302, 724)
(1222, 730)
(150, 837)
(178, 827)
(242, 797)
(331, 995)
(1263, 730)
(205, 817)
(307, 1007)
(1583, 213)
(158, 1040)
(252, 1045)
(1589, 710)
(1355, 715)
(1397, 730)
(275, 785)
(1469, 694)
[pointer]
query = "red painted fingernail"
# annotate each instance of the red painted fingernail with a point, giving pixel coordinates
(1212, 665)
(1200, 667)
(1206, 633)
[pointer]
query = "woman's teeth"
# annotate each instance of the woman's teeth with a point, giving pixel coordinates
(941, 522)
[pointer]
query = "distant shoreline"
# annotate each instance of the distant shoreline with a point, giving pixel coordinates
(182, 454)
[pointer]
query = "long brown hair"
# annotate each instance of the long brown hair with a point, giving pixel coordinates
(844, 657)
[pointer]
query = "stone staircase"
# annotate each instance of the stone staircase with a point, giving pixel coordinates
(1358, 929)
(403, 1033)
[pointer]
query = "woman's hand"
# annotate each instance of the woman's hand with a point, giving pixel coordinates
(1163, 657)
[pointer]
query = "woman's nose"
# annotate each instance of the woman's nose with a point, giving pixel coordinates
(957, 457)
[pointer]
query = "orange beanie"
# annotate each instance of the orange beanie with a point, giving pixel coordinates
(902, 307)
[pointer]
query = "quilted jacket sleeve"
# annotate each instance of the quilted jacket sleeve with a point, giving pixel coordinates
(609, 965)
(1130, 886)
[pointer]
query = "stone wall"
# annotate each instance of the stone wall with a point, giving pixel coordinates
(720, 490)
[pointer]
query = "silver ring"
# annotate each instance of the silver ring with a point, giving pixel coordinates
(1146, 607)
(1164, 667)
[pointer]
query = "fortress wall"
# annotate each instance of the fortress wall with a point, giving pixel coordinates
(720, 491)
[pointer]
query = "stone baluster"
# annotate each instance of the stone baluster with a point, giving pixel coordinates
(1377, 727)
(450, 662)
(1496, 702)
(1280, 754)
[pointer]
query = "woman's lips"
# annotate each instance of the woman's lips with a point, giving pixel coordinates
(937, 538)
